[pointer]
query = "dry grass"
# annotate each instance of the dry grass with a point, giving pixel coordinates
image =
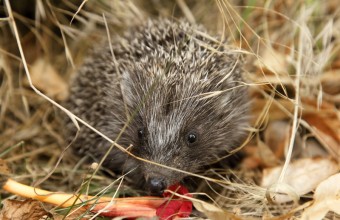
(291, 50)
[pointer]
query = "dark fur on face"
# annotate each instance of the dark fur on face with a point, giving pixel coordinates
(180, 91)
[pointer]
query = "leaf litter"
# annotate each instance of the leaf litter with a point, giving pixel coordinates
(292, 69)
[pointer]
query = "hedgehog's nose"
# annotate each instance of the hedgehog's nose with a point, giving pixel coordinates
(156, 185)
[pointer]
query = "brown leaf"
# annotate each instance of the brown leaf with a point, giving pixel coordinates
(251, 160)
(274, 61)
(268, 158)
(279, 109)
(326, 198)
(46, 78)
(302, 176)
(22, 210)
(313, 148)
(4, 169)
(331, 81)
(277, 137)
(326, 131)
(213, 212)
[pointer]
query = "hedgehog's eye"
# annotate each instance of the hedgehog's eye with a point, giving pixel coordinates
(140, 133)
(191, 137)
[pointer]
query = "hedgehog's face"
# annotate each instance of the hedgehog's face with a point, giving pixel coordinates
(176, 128)
(168, 145)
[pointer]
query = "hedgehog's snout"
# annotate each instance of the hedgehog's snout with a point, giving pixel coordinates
(156, 185)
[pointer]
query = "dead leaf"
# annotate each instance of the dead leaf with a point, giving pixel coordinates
(326, 199)
(4, 169)
(274, 61)
(277, 137)
(302, 176)
(282, 109)
(331, 81)
(312, 148)
(251, 160)
(213, 212)
(278, 110)
(266, 155)
(46, 78)
(23, 210)
(310, 105)
(326, 130)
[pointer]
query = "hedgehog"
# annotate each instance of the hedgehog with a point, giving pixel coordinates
(174, 96)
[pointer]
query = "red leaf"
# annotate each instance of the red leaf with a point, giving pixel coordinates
(175, 206)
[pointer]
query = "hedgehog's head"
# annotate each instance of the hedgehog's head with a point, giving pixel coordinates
(185, 114)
